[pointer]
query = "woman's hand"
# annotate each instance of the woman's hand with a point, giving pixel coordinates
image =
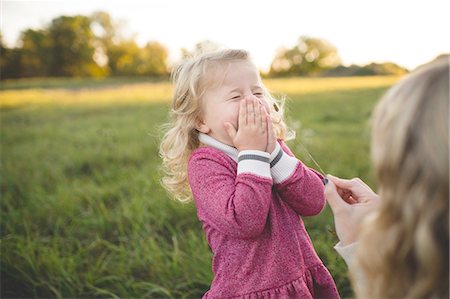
(252, 126)
(351, 201)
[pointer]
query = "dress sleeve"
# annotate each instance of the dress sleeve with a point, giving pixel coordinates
(236, 204)
(298, 185)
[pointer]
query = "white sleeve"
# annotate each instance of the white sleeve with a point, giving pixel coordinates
(347, 252)
(282, 166)
(254, 162)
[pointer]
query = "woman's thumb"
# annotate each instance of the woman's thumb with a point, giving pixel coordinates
(334, 199)
(231, 131)
(341, 183)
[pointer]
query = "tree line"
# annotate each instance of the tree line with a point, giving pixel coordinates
(81, 46)
(93, 46)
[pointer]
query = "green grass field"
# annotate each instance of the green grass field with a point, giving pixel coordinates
(83, 214)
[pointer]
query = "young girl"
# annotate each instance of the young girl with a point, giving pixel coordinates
(248, 188)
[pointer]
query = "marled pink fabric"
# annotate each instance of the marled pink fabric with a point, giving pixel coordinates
(260, 246)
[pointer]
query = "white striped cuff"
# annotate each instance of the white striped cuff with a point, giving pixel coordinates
(254, 162)
(282, 166)
(276, 155)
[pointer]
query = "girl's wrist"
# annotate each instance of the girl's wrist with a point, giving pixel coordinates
(274, 151)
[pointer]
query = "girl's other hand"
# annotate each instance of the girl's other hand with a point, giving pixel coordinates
(252, 126)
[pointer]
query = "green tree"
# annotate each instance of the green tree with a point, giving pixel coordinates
(154, 60)
(105, 29)
(387, 68)
(9, 61)
(128, 59)
(72, 47)
(35, 58)
(310, 56)
(123, 58)
(80, 46)
(106, 33)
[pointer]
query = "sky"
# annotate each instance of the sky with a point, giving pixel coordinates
(408, 33)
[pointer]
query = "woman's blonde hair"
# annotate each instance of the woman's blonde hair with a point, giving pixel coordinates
(404, 246)
(191, 79)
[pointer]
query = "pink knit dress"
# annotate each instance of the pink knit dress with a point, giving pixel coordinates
(249, 204)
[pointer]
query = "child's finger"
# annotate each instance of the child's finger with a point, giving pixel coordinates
(270, 133)
(231, 131)
(243, 112)
(257, 115)
(250, 112)
(263, 117)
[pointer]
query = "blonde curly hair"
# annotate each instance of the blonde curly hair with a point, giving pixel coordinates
(191, 79)
(404, 247)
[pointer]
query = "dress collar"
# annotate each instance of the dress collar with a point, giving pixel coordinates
(229, 150)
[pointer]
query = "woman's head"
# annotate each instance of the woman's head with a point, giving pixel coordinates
(207, 90)
(404, 247)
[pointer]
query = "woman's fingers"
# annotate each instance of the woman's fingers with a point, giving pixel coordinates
(362, 182)
(342, 183)
(349, 184)
(333, 197)
(348, 213)
(346, 195)
(354, 190)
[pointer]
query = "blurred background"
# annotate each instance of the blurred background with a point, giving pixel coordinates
(85, 89)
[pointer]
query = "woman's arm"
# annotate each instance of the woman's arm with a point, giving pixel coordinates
(351, 201)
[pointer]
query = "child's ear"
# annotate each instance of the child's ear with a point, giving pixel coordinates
(202, 127)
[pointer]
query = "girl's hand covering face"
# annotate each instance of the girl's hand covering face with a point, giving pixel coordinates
(252, 131)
